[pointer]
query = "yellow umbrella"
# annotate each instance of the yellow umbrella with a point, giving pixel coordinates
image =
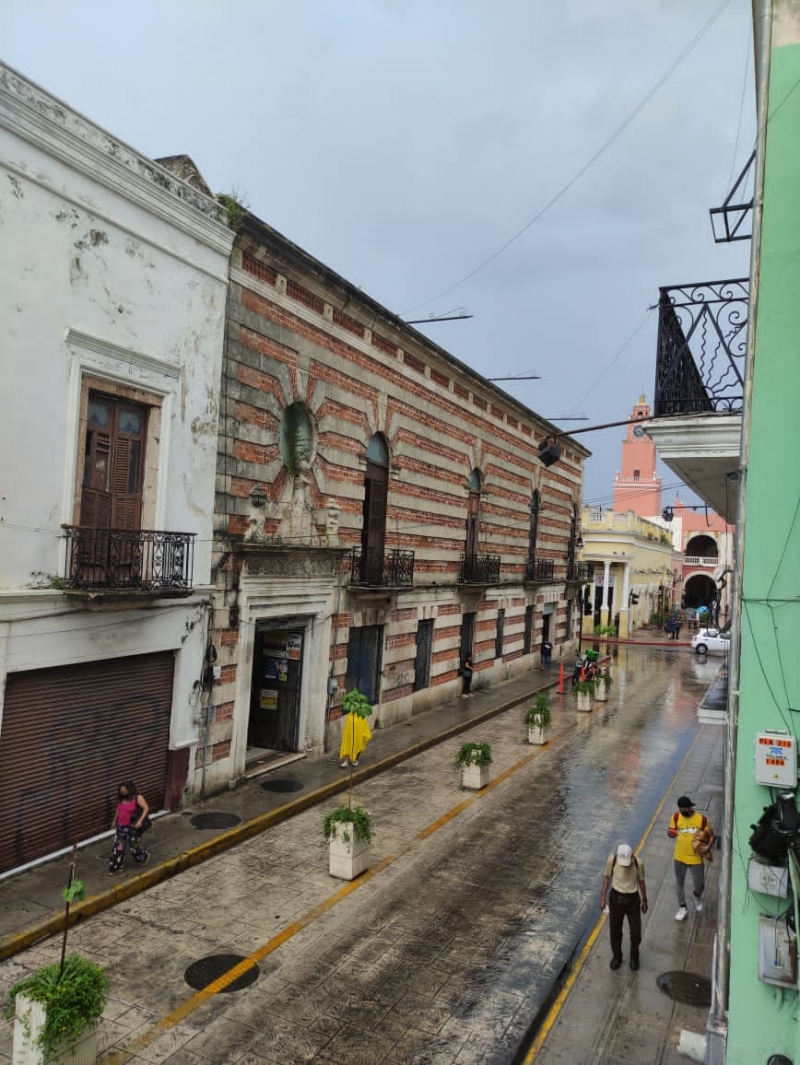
(355, 737)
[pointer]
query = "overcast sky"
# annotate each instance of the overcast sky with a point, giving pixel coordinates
(404, 142)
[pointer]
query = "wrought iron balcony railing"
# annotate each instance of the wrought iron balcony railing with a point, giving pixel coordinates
(379, 568)
(540, 570)
(479, 569)
(580, 571)
(702, 334)
(128, 559)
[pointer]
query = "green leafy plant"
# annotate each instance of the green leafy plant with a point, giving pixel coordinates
(473, 754)
(605, 630)
(539, 715)
(606, 677)
(73, 995)
(353, 702)
(352, 815)
(656, 619)
(586, 686)
(235, 204)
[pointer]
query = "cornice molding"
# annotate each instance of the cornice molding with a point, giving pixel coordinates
(32, 114)
(124, 355)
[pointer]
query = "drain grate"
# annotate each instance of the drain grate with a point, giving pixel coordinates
(204, 972)
(689, 988)
(215, 819)
(282, 784)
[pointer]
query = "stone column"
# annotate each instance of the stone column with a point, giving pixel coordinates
(624, 609)
(606, 582)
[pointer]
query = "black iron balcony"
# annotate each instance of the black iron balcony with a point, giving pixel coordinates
(702, 334)
(479, 569)
(381, 568)
(579, 572)
(128, 560)
(540, 570)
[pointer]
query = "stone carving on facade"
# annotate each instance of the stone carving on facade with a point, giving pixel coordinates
(286, 565)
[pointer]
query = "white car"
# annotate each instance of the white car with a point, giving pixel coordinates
(711, 641)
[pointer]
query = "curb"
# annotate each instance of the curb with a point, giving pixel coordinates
(28, 937)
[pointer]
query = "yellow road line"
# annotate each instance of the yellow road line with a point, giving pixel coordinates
(561, 998)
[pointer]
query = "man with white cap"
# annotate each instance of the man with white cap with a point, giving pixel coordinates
(624, 887)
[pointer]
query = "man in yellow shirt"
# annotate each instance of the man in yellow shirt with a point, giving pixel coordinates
(683, 826)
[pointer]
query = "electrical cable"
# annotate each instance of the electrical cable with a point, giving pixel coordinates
(589, 163)
(741, 112)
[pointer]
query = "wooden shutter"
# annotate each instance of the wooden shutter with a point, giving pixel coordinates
(473, 523)
(111, 496)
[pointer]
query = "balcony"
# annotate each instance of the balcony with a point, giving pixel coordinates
(123, 561)
(540, 570)
(379, 569)
(579, 572)
(479, 569)
(712, 561)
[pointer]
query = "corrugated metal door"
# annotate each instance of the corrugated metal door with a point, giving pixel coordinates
(69, 736)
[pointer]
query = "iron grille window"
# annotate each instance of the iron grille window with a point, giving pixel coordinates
(364, 648)
(528, 637)
(533, 528)
(498, 639)
(422, 661)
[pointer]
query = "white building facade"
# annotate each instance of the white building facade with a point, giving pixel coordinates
(112, 291)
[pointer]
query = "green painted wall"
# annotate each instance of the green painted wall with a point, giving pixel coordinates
(763, 1019)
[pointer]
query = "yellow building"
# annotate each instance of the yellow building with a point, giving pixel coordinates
(634, 569)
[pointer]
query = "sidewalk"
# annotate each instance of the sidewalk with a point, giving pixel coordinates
(602, 1017)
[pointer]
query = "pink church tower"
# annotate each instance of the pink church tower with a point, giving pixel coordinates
(636, 486)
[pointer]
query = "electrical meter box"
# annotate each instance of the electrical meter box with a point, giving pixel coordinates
(776, 759)
(768, 879)
(777, 952)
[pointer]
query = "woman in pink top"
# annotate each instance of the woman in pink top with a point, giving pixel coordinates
(131, 811)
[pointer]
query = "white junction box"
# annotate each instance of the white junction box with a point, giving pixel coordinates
(768, 879)
(776, 759)
(777, 952)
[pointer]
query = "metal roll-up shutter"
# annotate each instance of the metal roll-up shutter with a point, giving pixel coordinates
(68, 737)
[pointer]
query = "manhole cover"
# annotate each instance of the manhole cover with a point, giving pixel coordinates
(689, 988)
(204, 972)
(215, 819)
(282, 784)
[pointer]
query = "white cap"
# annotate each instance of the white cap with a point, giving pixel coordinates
(624, 854)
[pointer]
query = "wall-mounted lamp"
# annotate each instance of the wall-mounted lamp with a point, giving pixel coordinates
(579, 542)
(258, 496)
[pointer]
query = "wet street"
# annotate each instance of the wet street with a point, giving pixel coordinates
(449, 947)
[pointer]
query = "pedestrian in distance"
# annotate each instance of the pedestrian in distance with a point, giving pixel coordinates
(624, 894)
(694, 842)
(466, 673)
(130, 820)
(547, 654)
(678, 623)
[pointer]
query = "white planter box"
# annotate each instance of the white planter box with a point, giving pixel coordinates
(474, 777)
(584, 702)
(347, 856)
(601, 692)
(29, 1017)
(537, 735)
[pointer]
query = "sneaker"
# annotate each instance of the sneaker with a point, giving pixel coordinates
(355, 762)
(344, 764)
(144, 858)
(698, 905)
(465, 696)
(681, 914)
(615, 962)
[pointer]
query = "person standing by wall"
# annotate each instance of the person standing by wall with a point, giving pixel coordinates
(466, 673)
(547, 654)
(129, 818)
(626, 892)
(683, 826)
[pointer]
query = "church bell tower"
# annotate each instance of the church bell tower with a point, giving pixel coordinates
(636, 486)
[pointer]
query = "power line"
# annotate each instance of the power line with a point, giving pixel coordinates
(590, 161)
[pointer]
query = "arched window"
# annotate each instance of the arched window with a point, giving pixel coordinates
(296, 436)
(373, 529)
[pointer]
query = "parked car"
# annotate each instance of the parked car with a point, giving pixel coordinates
(711, 641)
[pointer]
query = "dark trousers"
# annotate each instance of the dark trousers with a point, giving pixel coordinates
(467, 684)
(619, 907)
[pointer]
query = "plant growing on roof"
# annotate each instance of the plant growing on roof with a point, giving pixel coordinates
(473, 754)
(538, 715)
(236, 207)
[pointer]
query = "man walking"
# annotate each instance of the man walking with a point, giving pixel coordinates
(624, 887)
(547, 654)
(683, 826)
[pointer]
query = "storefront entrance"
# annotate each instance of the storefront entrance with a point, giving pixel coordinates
(275, 692)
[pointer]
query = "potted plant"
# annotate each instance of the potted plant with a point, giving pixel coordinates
(585, 690)
(474, 759)
(538, 718)
(348, 832)
(603, 686)
(57, 1008)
